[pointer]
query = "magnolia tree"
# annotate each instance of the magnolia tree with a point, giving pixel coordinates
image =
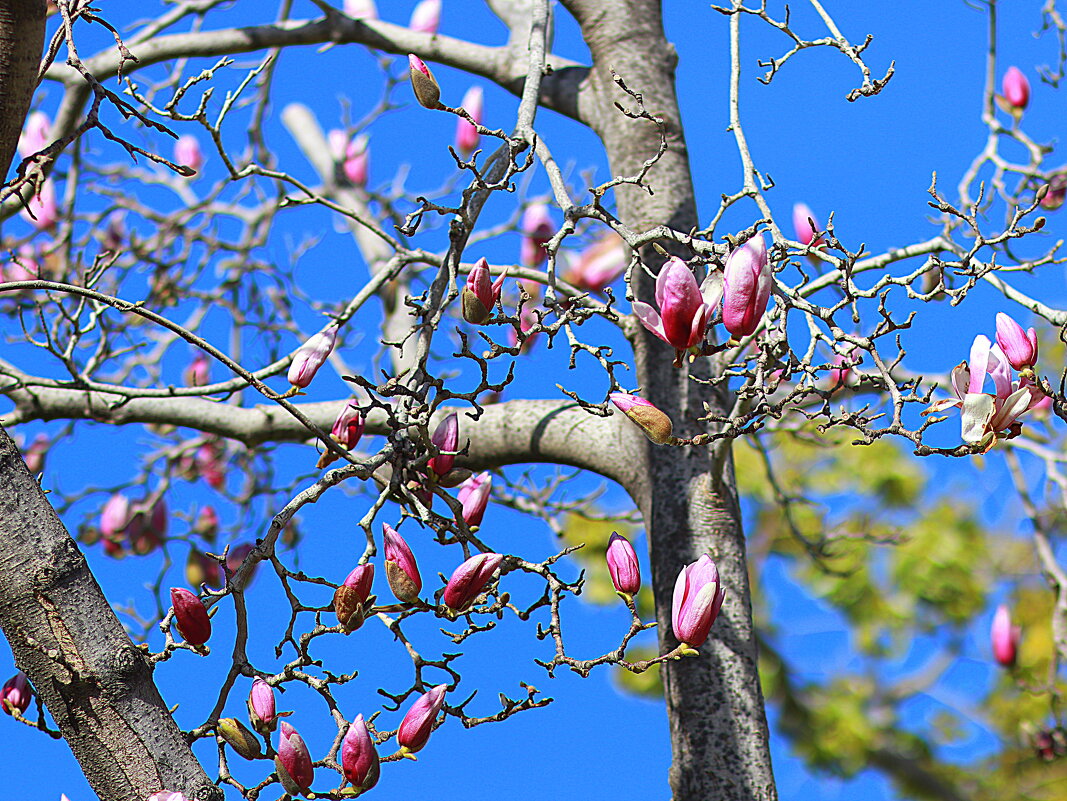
(154, 282)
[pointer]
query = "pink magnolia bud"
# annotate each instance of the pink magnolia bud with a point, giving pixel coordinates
(697, 600)
(622, 565)
(351, 599)
(418, 723)
(469, 579)
(115, 516)
(198, 373)
(656, 425)
(445, 439)
(310, 356)
(35, 134)
(684, 306)
(426, 17)
(466, 134)
(1016, 90)
(190, 616)
(537, 229)
(599, 264)
(1005, 637)
(1056, 193)
(41, 210)
(293, 762)
(359, 757)
(261, 711)
(802, 213)
(34, 455)
(187, 152)
(356, 165)
(348, 427)
(748, 281)
(1020, 347)
(474, 496)
(16, 694)
(427, 90)
(480, 294)
(23, 267)
(401, 569)
(361, 9)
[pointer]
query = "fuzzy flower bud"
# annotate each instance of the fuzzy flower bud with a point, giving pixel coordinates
(351, 599)
(401, 570)
(1020, 347)
(239, 738)
(359, 757)
(656, 425)
(190, 616)
(293, 762)
(748, 281)
(1005, 638)
(697, 600)
(261, 710)
(480, 294)
(466, 134)
(622, 565)
(445, 439)
(469, 579)
(310, 356)
(474, 496)
(427, 90)
(16, 694)
(418, 723)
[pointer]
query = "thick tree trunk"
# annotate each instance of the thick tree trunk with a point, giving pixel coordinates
(21, 46)
(715, 705)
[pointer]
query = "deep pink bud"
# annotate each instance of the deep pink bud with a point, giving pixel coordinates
(361, 579)
(357, 160)
(310, 356)
(466, 134)
(537, 229)
(115, 516)
(1005, 637)
(622, 565)
(474, 496)
(748, 281)
(684, 306)
(35, 135)
(350, 600)
(16, 694)
(1015, 89)
(1020, 347)
(361, 9)
(427, 91)
(359, 757)
(190, 616)
(294, 758)
(41, 210)
(656, 425)
(198, 373)
(801, 214)
(426, 17)
(446, 439)
(599, 264)
(401, 570)
(418, 722)
(348, 428)
(1056, 193)
(481, 294)
(187, 152)
(697, 600)
(261, 710)
(469, 579)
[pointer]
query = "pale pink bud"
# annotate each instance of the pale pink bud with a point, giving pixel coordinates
(748, 281)
(445, 439)
(1005, 637)
(474, 496)
(261, 710)
(361, 9)
(599, 264)
(34, 455)
(16, 694)
(349, 425)
(418, 723)
(24, 267)
(537, 230)
(401, 569)
(426, 17)
(310, 356)
(623, 566)
(198, 373)
(359, 757)
(466, 134)
(469, 579)
(1020, 347)
(802, 213)
(187, 152)
(35, 134)
(697, 600)
(684, 306)
(1015, 89)
(293, 758)
(115, 516)
(41, 210)
(190, 616)
(427, 91)
(357, 160)
(480, 294)
(656, 425)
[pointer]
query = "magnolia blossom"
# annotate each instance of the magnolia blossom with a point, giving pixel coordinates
(1005, 637)
(426, 17)
(445, 439)
(198, 371)
(685, 308)
(427, 90)
(599, 264)
(1015, 89)
(356, 161)
(190, 616)
(537, 229)
(1056, 193)
(262, 713)
(480, 294)
(188, 153)
(401, 569)
(469, 579)
(623, 566)
(697, 600)
(418, 723)
(656, 425)
(359, 757)
(35, 135)
(1020, 347)
(167, 795)
(23, 267)
(361, 9)
(748, 281)
(16, 694)
(352, 599)
(466, 134)
(985, 416)
(349, 425)
(310, 356)
(41, 210)
(293, 761)
(474, 496)
(802, 213)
